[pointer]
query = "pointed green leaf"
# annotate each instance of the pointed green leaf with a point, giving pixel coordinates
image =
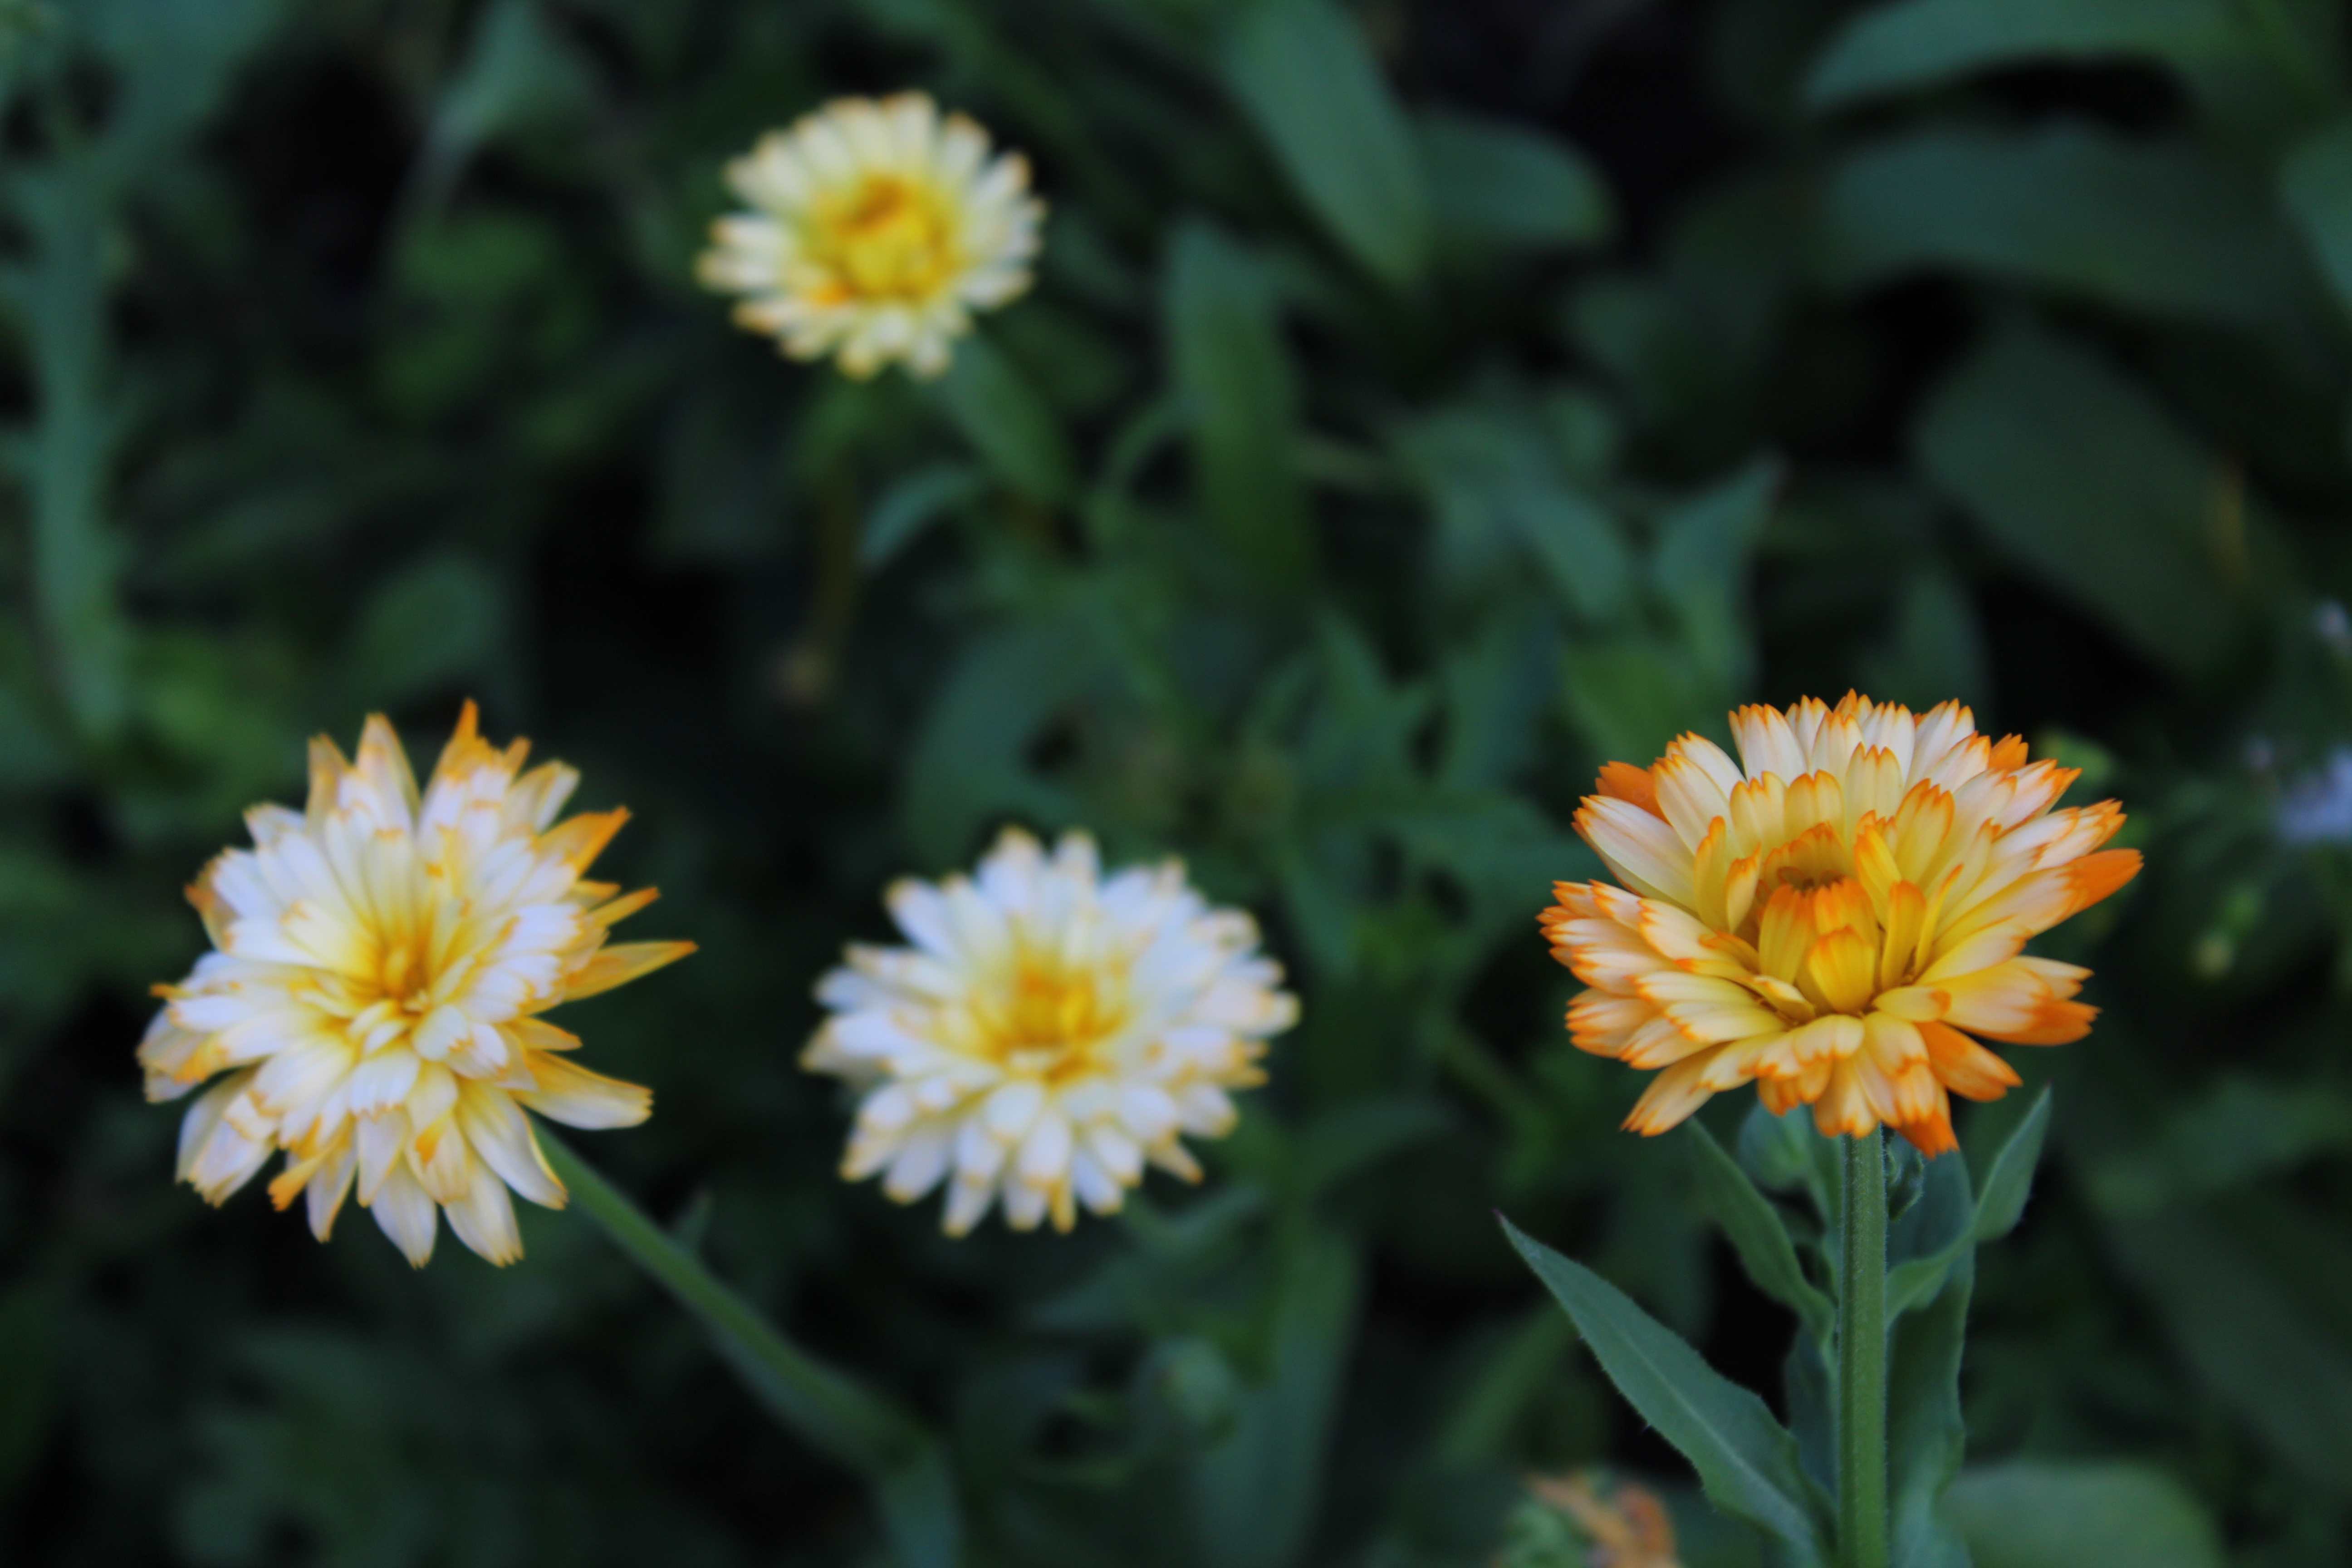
(2007, 1185)
(1494, 182)
(1704, 544)
(2316, 182)
(1305, 75)
(2136, 224)
(1750, 1223)
(1917, 43)
(1240, 395)
(1746, 1460)
(1007, 421)
(2078, 476)
(1915, 1280)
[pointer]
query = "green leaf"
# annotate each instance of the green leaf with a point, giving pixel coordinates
(77, 557)
(1257, 1493)
(2229, 1133)
(2316, 184)
(2046, 1513)
(1305, 75)
(1754, 1229)
(1007, 421)
(1746, 1460)
(1501, 494)
(1704, 544)
(1493, 182)
(1235, 378)
(436, 623)
(1926, 1434)
(2001, 1202)
(2247, 1339)
(1915, 1280)
(2136, 226)
(1913, 44)
(517, 72)
(2080, 479)
(1631, 693)
(911, 505)
(969, 764)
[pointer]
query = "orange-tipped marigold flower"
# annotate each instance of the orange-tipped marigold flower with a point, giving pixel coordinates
(1835, 916)
(382, 962)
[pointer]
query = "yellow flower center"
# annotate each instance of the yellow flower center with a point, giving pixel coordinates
(1051, 1022)
(887, 238)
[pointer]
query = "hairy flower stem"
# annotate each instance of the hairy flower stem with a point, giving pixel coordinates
(825, 1407)
(1862, 1358)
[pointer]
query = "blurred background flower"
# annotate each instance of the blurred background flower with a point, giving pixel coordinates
(1419, 405)
(879, 228)
(1051, 1030)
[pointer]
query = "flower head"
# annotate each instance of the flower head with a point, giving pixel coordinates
(878, 229)
(1589, 1521)
(381, 963)
(1834, 916)
(1050, 1030)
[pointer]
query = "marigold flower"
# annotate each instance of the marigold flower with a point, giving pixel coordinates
(1592, 1522)
(1049, 1032)
(1833, 917)
(879, 228)
(382, 960)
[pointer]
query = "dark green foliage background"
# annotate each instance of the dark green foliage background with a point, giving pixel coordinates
(1419, 405)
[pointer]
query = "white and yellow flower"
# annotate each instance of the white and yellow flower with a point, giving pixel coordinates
(878, 229)
(1837, 917)
(382, 963)
(1050, 1032)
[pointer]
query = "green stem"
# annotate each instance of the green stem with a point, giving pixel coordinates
(1862, 1358)
(825, 1407)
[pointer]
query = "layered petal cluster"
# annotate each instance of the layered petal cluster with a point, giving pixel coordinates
(1840, 916)
(1049, 1033)
(877, 227)
(382, 960)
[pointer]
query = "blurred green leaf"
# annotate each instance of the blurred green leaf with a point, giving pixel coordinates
(2317, 183)
(969, 764)
(1700, 570)
(1012, 427)
(1749, 1222)
(2048, 1513)
(1631, 694)
(2234, 1132)
(2078, 478)
(1302, 70)
(435, 624)
(1226, 355)
(515, 72)
(2254, 1346)
(1501, 493)
(1912, 44)
(910, 505)
(1491, 182)
(1256, 1494)
(2160, 227)
(59, 297)
(1747, 1461)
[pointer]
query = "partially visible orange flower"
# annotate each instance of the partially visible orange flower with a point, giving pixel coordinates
(1833, 917)
(1625, 1524)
